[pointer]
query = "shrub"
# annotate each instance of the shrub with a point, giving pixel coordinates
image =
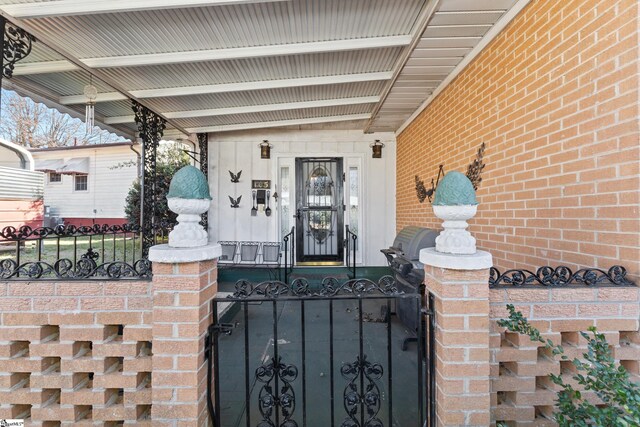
(598, 372)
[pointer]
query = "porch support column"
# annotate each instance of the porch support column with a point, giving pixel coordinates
(460, 286)
(150, 129)
(184, 282)
(203, 147)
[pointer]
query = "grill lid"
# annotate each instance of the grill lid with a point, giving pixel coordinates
(411, 239)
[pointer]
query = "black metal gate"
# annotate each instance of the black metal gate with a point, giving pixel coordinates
(293, 356)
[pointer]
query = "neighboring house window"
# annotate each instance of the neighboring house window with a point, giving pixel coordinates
(80, 182)
(55, 177)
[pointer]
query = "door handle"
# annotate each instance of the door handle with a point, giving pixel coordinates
(298, 215)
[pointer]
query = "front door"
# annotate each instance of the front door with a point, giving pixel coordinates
(319, 210)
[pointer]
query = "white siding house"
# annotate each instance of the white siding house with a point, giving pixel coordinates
(88, 184)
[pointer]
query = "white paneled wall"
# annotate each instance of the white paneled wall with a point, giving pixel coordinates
(239, 151)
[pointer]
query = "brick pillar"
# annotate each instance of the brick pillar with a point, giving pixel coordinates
(459, 284)
(184, 281)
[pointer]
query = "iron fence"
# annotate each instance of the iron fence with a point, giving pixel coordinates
(559, 276)
(102, 252)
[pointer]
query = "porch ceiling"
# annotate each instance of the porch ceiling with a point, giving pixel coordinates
(216, 65)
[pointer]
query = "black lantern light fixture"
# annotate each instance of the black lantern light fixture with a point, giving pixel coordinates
(265, 149)
(376, 149)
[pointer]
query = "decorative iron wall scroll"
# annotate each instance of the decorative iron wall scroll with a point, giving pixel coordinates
(16, 45)
(150, 129)
(203, 146)
(421, 190)
(474, 170)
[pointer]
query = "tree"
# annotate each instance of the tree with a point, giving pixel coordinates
(34, 125)
(170, 158)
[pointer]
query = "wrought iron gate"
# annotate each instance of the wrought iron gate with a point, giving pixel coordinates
(293, 356)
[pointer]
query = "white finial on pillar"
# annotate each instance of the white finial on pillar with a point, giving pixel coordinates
(455, 203)
(188, 197)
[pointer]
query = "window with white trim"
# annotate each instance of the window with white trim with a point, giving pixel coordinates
(80, 182)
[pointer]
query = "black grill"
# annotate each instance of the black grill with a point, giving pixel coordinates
(403, 259)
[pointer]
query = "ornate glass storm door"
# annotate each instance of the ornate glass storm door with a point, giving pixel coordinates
(319, 210)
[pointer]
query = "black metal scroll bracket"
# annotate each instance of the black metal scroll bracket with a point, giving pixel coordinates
(16, 45)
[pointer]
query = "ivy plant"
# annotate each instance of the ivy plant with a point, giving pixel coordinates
(598, 372)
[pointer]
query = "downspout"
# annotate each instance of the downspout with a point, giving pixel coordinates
(138, 159)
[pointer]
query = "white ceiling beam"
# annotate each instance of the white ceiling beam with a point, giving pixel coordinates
(232, 87)
(254, 109)
(215, 54)
(278, 123)
(44, 67)
(247, 52)
(90, 7)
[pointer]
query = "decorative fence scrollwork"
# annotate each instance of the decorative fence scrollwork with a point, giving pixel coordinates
(559, 276)
(274, 397)
(68, 252)
(367, 373)
(330, 287)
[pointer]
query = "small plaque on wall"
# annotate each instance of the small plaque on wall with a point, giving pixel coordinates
(262, 184)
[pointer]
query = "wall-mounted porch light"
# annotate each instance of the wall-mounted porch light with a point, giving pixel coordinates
(376, 149)
(265, 149)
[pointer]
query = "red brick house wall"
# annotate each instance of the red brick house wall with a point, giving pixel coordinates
(555, 99)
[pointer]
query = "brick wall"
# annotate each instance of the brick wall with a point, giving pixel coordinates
(555, 99)
(521, 391)
(76, 353)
